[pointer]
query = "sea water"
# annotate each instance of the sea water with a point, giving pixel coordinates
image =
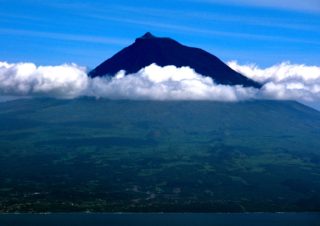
(165, 219)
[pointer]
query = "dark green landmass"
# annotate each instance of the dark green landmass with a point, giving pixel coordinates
(101, 155)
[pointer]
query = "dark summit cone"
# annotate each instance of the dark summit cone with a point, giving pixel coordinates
(149, 49)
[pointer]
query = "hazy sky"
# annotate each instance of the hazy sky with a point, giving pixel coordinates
(87, 32)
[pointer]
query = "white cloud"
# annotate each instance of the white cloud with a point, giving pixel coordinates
(63, 36)
(296, 5)
(167, 83)
(281, 82)
(152, 82)
(285, 81)
(21, 79)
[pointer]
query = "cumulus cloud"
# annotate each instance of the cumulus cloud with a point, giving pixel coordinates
(282, 82)
(167, 83)
(285, 81)
(21, 79)
(152, 82)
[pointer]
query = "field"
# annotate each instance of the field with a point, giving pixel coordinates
(110, 156)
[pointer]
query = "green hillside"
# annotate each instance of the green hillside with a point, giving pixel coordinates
(102, 155)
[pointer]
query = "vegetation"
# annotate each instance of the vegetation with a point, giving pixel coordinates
(103, 155)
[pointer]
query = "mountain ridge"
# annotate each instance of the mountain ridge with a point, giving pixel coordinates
(149, 49)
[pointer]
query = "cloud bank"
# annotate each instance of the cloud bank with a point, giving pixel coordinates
(24, 79)
(285, 81)
(167, 83)
(280, 82)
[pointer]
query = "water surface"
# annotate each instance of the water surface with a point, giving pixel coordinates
(173, 219)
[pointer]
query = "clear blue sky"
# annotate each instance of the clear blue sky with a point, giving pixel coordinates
(89, 31)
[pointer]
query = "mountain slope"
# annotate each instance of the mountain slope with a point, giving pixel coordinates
(165, 51)
(101, 155)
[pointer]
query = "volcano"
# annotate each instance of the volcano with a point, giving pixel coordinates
(170, 156)
(150, 49)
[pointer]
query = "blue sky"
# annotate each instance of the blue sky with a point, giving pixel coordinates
(86, 32)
